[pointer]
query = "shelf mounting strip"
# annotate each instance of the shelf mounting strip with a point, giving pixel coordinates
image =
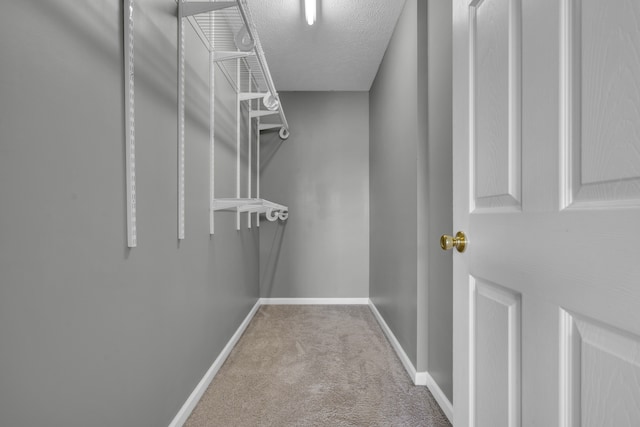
(129, 108)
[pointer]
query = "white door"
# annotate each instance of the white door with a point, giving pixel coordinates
(547, 189)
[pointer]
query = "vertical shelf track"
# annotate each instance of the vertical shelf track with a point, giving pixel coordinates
(238, 154)
(130, 139)
(257, 163)
(212, 140)
(249, 164)
(181, 143)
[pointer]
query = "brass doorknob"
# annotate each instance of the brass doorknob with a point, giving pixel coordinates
(449, 242)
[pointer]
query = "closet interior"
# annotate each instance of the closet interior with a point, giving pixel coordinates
(230, 38)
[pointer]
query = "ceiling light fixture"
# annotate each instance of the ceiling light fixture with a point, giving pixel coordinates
(310, 11)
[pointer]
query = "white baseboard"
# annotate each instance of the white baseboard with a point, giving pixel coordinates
(421, 378)
(197, 393)
(314, 301)
(418, 378)
(406, 362)
(436, 391)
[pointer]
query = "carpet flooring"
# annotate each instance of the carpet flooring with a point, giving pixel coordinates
(314, 366)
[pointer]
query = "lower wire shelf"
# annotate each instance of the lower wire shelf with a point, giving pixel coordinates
(271, 210)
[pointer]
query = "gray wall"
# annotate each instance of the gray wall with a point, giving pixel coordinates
(410, 179)
(439, 361)
(393, 182)
(91, 333)
(322, 174)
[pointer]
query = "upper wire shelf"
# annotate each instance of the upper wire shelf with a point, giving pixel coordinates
(227, 29)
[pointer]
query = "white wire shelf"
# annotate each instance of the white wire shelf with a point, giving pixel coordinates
(252, 205)
(219, 25)
(227, 31)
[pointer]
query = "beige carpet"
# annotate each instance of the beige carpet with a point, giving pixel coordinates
(314, 366)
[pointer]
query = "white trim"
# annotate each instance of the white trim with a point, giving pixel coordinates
(438, 394)
(421, 378)
(314, 301)
(406, 362)
(418, 378)
(197, 393)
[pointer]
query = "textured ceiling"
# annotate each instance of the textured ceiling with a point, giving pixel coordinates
(341, 51)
